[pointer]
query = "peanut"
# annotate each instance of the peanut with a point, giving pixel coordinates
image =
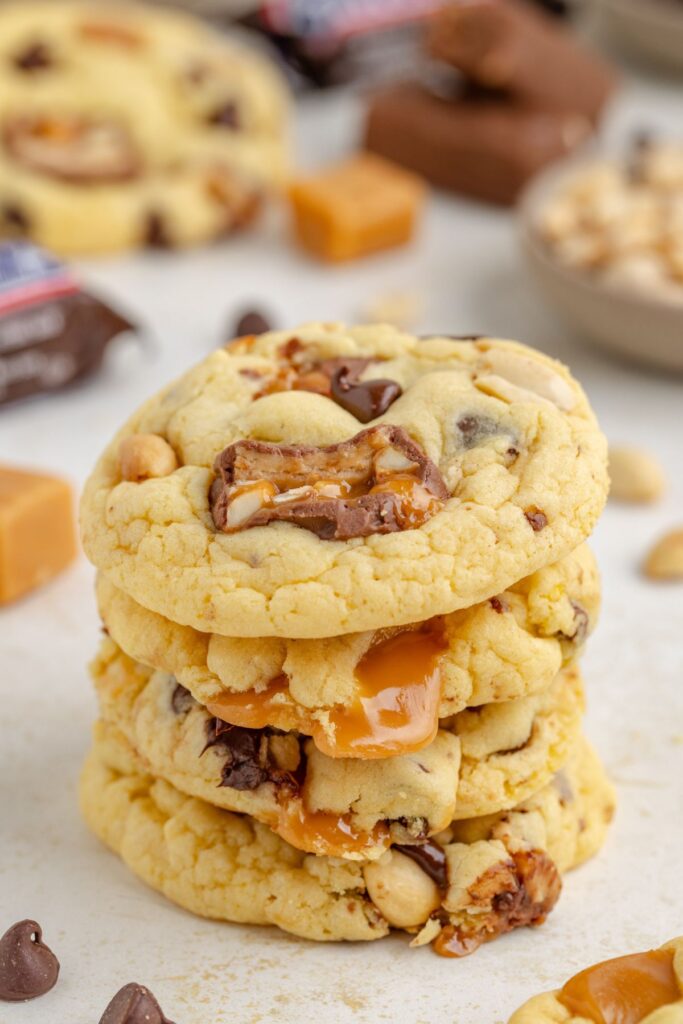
(401, 890)
(635, 475)
(142, 456)
(665, 560)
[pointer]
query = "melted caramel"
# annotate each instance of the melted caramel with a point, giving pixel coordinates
(397, 707)
(623, 991)
(451, 942)
(396, 710)
(415, 503)
(326, 834)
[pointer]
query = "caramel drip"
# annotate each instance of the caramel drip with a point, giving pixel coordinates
(395, 712)
(415, 503)
(397, 708)
(326, 834)
(624, 990)
(451, 942)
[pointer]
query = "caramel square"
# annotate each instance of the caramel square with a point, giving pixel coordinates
(357, 207)
(37, 530)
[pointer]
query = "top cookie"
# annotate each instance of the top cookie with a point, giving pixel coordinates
(123, 126)
(332, 480)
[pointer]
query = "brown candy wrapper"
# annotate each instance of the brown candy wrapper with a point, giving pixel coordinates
(52, 332)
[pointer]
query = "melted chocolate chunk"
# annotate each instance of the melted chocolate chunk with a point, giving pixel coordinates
(536, 518)
(156, 234)
(582, 621)
(365, 400)
(182, 700)
(498, 606)
(474, 429)
(226, 116)
(28, 968)
(431, 858)
(248, 762)
(36, 57)
(14, 218)
(134, 1004)
(251, 322)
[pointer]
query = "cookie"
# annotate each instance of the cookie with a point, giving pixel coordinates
(454, 892)
(338, 690)
(124, 125)
(478, 763)
(334, 480)
(641, 987)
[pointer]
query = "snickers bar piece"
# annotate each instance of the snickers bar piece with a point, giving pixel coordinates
(52, 332)
(512, 47)
(379, 481)
(478, 145)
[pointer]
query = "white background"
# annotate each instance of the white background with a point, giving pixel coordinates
(106, 927)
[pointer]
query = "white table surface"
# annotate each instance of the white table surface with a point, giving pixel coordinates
(106, 926)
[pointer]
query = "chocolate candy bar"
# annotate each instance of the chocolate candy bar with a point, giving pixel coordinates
(51, 331)
(512, 47)
(479, 145)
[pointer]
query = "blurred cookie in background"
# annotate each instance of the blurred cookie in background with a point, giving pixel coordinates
(126, 126)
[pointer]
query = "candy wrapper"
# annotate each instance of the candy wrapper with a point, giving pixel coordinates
(52, 331)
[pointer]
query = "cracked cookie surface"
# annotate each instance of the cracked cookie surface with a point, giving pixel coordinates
(123, 126)
(478, 762)
(230, 867)
(508, 647)
(486, 466)
(644, 987)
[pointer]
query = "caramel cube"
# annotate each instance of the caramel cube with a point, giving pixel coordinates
(355, 208)
(37, 532)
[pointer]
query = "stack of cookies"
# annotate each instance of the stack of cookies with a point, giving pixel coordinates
(344, 584)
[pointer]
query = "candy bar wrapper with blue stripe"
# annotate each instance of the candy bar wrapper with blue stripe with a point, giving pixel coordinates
(52, 331)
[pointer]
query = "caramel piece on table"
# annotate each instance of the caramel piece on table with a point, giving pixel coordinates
(355, 208)
(37, 534)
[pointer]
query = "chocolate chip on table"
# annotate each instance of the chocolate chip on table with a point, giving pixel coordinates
(156, 234)
(365, 400)
(134, 1004)
(536, 518)
(28, 968)
(36, 57)
(226, 116)
(13, 217)
(251, 322)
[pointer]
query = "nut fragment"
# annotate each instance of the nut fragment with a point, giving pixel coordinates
(403, 892)
(635, 475)
(531, 375)
(142, 456)
(665, 560)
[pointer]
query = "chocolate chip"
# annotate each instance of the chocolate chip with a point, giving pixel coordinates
(536, 519)
(36, 57)
(134, 1004)
(498, 606)
(474, 429)
(582, 624)
(28, 968)
(182, 700)
(246, 764)
(367, 400)
(251, 322)
(156, 234)
(15, 218)
(431, 858)
(226, 116)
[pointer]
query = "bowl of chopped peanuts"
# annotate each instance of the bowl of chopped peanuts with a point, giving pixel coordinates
(603, 237)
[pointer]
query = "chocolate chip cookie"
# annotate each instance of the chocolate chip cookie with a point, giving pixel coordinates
(339, 690)
(456, 891)
(332, 480)
(646, 988)
(124, 126)
(480, 761)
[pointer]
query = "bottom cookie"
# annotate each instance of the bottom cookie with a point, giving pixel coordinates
(643, 988)
(476, 880)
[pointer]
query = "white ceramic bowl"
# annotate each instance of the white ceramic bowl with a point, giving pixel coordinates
(653, 28)
(636, 324)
